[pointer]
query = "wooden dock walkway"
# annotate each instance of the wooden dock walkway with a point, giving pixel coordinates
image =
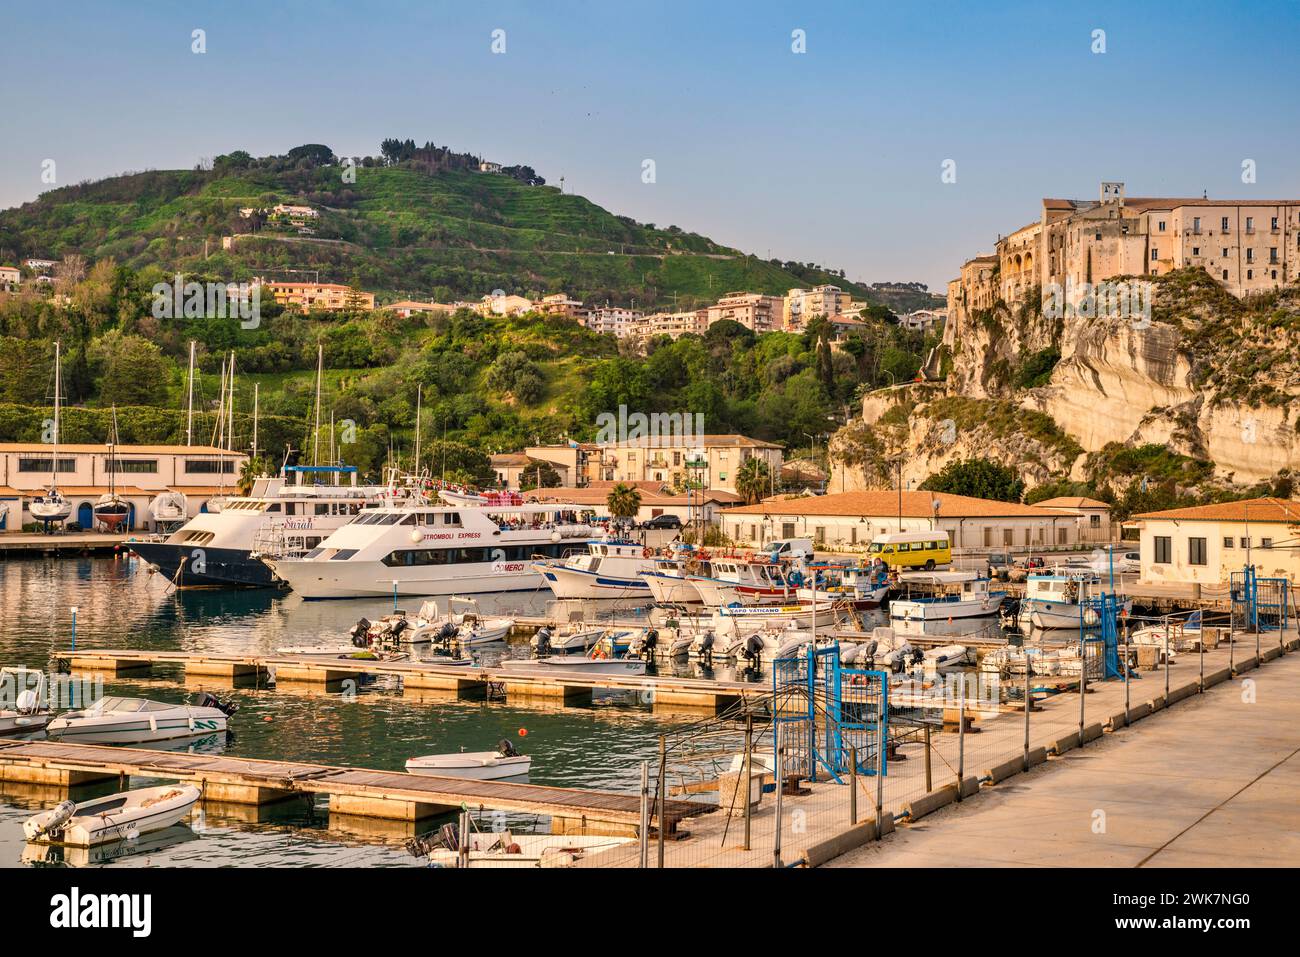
(362, 792)
(456, 681)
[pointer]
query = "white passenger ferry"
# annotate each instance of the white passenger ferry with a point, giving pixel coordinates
(224, 548)
(435, 550)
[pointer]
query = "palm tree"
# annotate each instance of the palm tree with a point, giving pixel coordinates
(251, 470)
(624, 501)
(752, 480)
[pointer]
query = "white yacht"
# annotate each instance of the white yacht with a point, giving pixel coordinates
(418, 550)
(280, 517)
(667, 578)
(609, 568)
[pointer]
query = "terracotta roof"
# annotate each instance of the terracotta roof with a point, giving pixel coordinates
(692, 442)
(1066, 501)
(1266, 509)
(100, 447)
(885, 503)
(593, 495)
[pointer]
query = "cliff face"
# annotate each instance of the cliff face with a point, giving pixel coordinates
(1206, 375)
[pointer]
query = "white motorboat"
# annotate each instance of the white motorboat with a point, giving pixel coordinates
(947, 657)
(507, 849)
(344, 651)
(169, 507)
(569, 640)
(1180, 635)
(580, 664)
(467, 627)
(963, 595)
(116, 817)
(115, 720)
(504, 762)
(609, 568)
(30, 712)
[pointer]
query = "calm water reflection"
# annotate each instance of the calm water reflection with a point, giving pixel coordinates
(120, 605)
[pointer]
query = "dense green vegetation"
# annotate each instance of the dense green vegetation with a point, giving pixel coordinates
(978, 478)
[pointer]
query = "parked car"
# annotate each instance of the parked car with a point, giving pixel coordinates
(1130, 562)
(663, 521)
(1030, 562)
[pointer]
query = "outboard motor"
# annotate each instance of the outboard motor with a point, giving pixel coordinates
(753, 649)
(446, 633)
(543, 638)
(506, 748)
(706, 646)
(361, 633)
(649, 644)
(28, 702)
(208, 700)
(397, 627)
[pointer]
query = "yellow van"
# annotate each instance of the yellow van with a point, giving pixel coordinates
(912, 549)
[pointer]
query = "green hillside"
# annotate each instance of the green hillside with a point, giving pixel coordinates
(422, 224)
(401, 231)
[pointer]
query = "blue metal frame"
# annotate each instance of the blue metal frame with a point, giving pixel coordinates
(1103, 627)
(828, 710)
(1265, 613)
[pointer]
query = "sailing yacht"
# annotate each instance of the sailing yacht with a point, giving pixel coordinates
(111, 511)
(52, 506)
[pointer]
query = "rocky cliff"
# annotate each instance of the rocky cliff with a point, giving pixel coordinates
(1204, 375)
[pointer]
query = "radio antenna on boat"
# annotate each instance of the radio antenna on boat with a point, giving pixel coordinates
(315, 449)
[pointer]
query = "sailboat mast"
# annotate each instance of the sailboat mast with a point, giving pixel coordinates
(189, 406)
(230, 422)
(333, 460)
(219, 426)
(419, 395)
(315, 449)
(54, 468)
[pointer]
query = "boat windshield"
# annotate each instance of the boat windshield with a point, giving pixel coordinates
(117, 705)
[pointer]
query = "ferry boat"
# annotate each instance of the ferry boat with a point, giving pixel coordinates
(429, 550)
(225, 548)
(609, 568)
(746, 581)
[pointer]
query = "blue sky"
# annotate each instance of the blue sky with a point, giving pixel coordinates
(830, 156)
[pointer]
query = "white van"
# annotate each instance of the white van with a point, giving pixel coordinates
(790, 548)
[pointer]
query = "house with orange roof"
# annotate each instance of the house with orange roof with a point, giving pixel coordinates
(1205, 544)
(848, 521)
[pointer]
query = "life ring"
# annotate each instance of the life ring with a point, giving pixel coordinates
(647, 552)
(599, 652)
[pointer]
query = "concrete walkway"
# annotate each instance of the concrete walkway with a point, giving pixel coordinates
(1212, 782)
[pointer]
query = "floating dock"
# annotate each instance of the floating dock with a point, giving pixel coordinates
(455, 680)
(357, 792)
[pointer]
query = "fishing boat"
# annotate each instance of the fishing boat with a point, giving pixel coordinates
(508, 849)
(747, 581)
(30, 712)
(52, 506)
(1179, 634)
(116, 720)
(579, 665)
(764, 646)
(961, 595)
(609, 568)
(1059, 601)
(504, 762)
(116, 817)
(431, 550)
(283, 516)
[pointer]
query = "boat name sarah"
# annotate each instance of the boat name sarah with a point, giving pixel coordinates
(73, 910)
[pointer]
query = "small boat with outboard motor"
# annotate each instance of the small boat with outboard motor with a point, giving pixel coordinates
(30, 712)
(117, 817)
(504, 762)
